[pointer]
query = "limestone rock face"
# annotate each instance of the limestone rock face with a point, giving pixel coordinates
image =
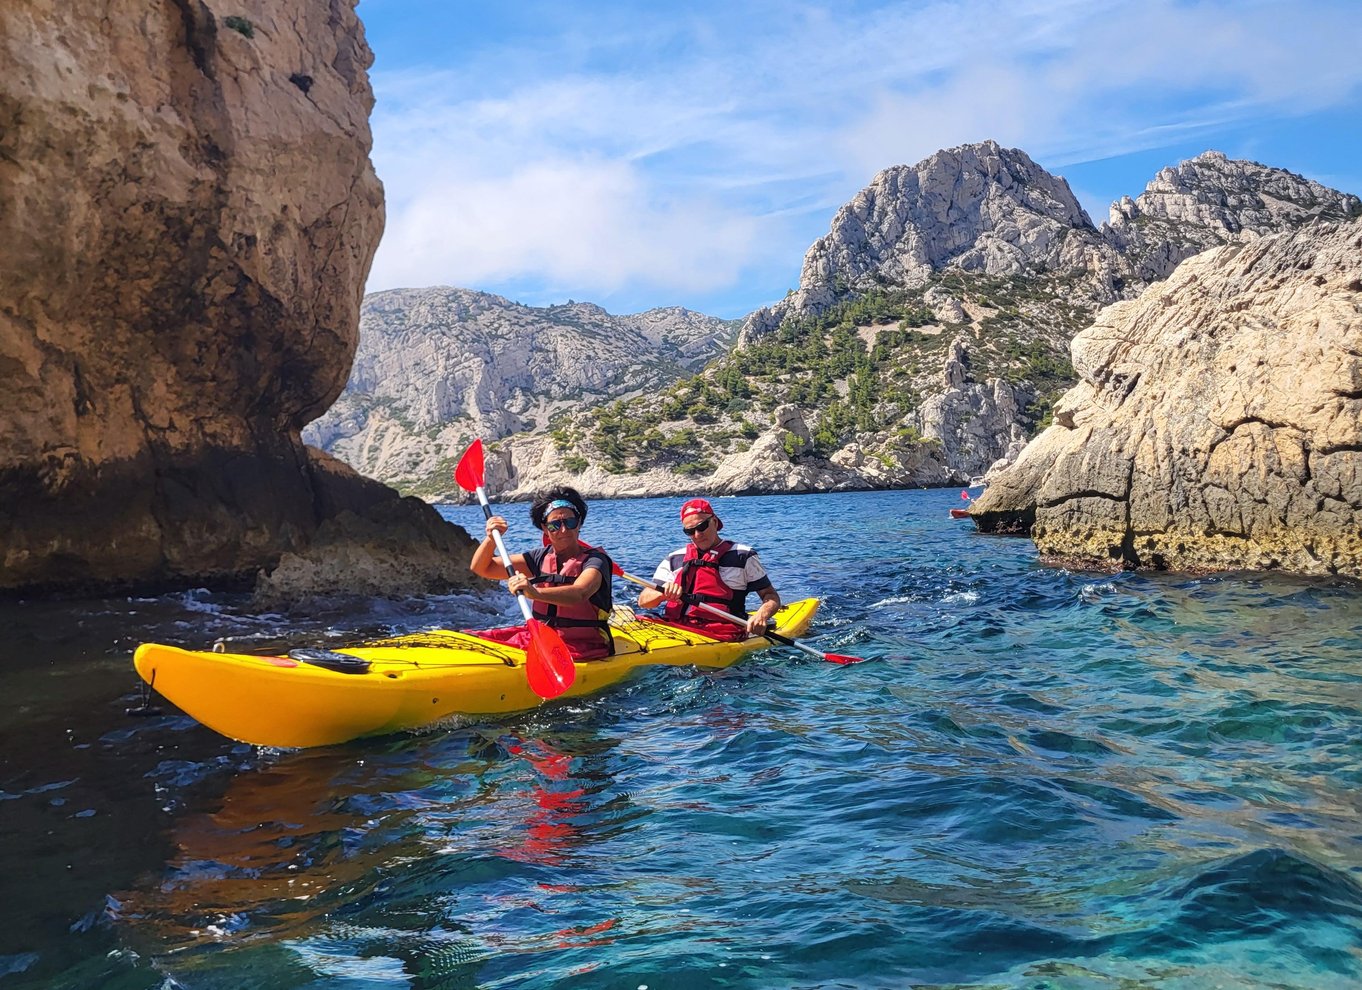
(1218, 422)
(988, 210)
(1210, 200)
(439, 366)
(975, 424)
(979, 208)
(189, 217)
(394, 548)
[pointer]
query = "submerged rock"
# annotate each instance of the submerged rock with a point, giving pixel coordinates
(1218, 422)
(371, 546)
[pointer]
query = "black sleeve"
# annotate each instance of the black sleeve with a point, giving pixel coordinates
(600, 560)
(534, 560)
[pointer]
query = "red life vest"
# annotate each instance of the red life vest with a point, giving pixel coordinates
(584, 627)
(699, 577)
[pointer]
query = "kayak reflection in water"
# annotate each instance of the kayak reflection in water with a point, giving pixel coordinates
(566, 581)
(717, 572)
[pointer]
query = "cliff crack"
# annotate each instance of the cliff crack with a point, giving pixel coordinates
(199, 35)
(1084, 493)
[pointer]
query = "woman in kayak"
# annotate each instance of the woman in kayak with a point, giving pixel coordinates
(566, 581)
(717, 572)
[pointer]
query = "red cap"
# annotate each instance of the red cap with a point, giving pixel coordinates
(699, 505)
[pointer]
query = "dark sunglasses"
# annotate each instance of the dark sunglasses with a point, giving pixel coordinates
(567, 522)
(699, 527)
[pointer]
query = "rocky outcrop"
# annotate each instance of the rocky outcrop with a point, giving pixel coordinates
(190, 214)
(992, 210)
(1210, 200)
(1217, 423)
(381, 546)
(979, 208)
(437, 367)
(976, 423)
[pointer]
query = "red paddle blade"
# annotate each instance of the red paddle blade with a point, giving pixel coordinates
(468, 473)
(548, 664)
(842, 658)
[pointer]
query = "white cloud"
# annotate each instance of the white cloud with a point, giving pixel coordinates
(588, 227)
(683, 153)
(1104, 81)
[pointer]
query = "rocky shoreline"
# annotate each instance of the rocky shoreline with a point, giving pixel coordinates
(182, 293)
(190, 216)
(1217, 425)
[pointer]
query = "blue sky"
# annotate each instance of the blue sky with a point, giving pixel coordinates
(640, 154)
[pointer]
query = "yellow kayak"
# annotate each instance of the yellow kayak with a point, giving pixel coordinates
(321, 697)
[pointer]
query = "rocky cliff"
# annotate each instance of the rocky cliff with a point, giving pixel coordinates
(987, 209)
(1208, 201)
(1217, 423)
(929, 335)
(437, 367)
(977, 208)
(190, 214)
(927, 341)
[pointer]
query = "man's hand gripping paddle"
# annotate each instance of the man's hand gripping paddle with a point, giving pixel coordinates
(548, 664)
(774, 637)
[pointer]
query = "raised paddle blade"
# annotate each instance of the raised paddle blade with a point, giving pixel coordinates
(468, 473)
(548, 664)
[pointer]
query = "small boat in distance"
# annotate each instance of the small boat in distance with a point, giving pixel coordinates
(975, 482)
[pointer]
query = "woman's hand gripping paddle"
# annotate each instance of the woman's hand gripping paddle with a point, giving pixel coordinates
(774, 637)
(548, 664)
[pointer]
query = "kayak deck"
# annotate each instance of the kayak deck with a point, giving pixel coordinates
(410, 681)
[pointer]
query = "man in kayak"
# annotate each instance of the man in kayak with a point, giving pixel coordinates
(717, 572)
(566, 581)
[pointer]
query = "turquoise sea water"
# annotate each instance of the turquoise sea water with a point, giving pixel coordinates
(1043, 779)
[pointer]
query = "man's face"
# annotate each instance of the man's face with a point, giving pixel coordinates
(701, 529)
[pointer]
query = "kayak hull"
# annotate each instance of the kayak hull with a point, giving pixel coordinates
(411, 681)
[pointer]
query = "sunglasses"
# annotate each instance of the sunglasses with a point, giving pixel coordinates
(567, 522)
(699, 527)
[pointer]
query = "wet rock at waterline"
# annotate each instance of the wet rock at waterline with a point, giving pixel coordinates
(1218, 422)
(190, 214)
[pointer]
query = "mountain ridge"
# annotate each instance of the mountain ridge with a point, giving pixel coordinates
(438, 366)
(927, 339)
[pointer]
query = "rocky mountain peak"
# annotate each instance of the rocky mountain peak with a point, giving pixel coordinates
(979, 207)
(984, 209)
(1210, 200)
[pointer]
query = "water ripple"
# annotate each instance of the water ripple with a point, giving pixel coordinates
(1048, 779)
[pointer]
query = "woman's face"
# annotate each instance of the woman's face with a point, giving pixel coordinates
(560, 525)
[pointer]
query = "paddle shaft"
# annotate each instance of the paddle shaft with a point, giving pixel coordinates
(501, 552)
(549, 667)
(730, 617)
